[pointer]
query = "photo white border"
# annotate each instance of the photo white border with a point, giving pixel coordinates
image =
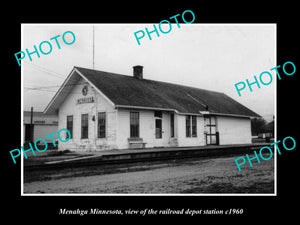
(180, 195)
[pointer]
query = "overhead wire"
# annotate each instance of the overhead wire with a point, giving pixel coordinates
(48, 88)
(41, 68)
(50, 73)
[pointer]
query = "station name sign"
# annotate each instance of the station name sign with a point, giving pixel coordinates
(85, 100)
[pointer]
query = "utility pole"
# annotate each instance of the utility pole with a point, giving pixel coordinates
(31, 125)
(93, 48)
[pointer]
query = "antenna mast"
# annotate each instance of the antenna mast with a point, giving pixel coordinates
(93, 48)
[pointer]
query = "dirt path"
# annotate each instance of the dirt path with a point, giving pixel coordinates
(218, 175)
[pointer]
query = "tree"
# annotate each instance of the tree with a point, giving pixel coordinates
(258, 126)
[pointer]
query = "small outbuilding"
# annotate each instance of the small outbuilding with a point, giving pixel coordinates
(38, 125)
(104, 110)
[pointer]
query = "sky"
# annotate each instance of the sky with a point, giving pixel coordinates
(207, 56)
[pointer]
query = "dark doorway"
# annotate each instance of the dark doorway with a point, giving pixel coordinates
(28, 133)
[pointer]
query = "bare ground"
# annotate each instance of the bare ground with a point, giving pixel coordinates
(205, 175)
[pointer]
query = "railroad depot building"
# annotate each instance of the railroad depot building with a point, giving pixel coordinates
(105, 110)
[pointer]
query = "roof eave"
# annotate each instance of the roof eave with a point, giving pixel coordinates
(145, 108)
(48, 108)
(95, 87)
(234, 115)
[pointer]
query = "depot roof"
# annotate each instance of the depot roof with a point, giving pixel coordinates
(129, 92)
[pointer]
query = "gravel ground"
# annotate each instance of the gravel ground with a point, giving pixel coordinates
(207, 175)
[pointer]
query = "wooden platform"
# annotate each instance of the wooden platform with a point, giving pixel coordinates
(149, 154)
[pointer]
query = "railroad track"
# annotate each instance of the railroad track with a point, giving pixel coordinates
(129, 158)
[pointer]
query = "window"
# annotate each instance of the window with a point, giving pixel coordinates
(158, 114)
(191, 126)
(70, 126)
(194, 126)
(188, 126)
(134, 124)
(84, 126)
(101, 125)
(172, 124)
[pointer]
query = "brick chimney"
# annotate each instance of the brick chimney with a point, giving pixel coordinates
(138, 72)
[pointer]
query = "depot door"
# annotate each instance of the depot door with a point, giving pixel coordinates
(29, 132)
(211, 134)
(158, 133)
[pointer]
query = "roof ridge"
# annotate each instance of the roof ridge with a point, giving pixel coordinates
(76, 67)
(144, 79)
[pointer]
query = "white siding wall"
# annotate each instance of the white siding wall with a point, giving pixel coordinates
(190, 141)
(123, 129)
(147, 129)
(234, 130)
(70, 107)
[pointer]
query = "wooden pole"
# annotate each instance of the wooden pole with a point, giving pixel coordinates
(31, 125)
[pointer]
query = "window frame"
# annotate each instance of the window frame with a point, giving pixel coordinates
(134, 124)
(100, 133)
(68, 128)
(194, 125)
(190, 126)
(86, 127)
(172, 125)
